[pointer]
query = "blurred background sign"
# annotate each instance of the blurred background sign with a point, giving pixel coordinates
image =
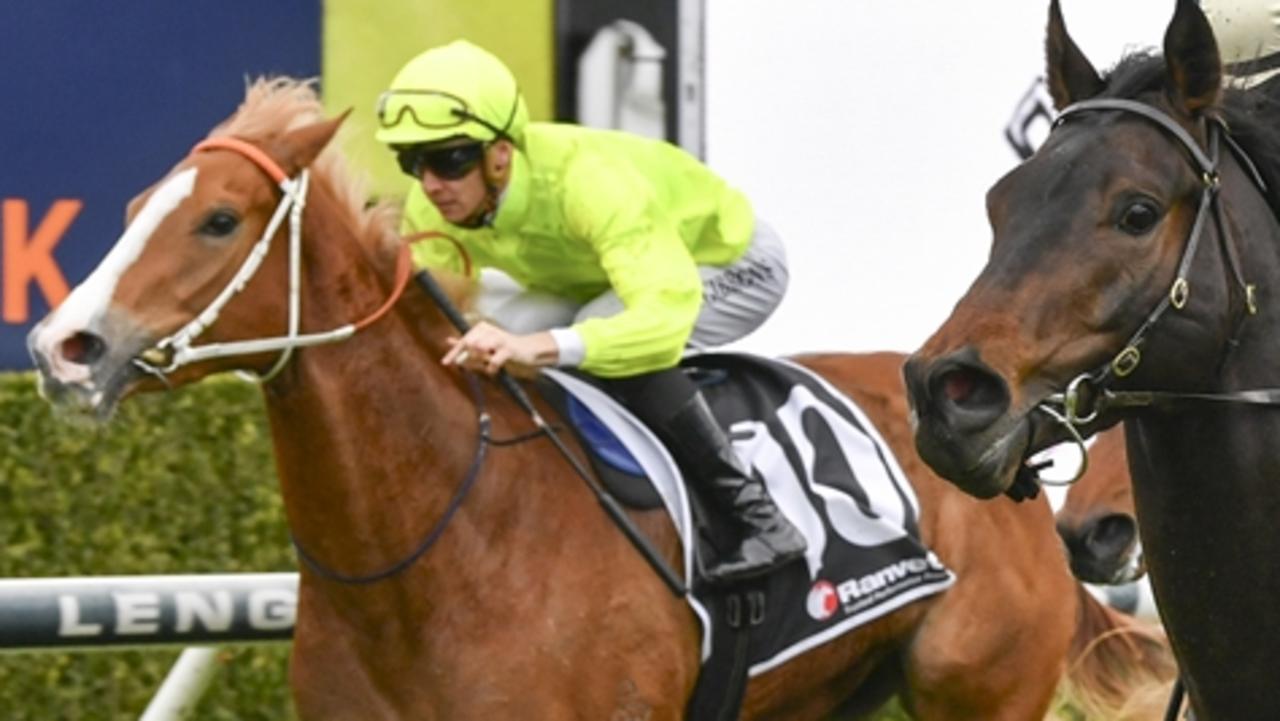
(100, 99)
(632, 66)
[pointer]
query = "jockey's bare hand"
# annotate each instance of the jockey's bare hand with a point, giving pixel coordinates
(487, 348)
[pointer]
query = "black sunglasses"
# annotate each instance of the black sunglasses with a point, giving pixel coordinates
(449, 163)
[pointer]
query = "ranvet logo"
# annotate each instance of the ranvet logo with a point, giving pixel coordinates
(822, 601)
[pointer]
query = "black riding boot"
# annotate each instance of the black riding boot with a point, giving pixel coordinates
(703, 450)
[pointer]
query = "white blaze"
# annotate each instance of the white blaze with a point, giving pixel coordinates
(91, 298)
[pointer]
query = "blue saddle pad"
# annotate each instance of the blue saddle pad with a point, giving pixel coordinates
(602, 441)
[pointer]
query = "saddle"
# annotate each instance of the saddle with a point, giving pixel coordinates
(828, 470)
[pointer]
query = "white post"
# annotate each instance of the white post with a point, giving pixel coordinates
(183, 687)
(691, 77)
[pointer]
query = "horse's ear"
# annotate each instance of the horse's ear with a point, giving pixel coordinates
(1191, 59)
(299, 147)
(1071, 75)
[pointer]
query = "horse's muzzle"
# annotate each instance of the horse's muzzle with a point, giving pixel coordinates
(964, 430)
(81, 374)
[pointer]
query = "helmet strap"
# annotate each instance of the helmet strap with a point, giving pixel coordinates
(496, 172)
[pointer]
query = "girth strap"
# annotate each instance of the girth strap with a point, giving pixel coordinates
(722, 681)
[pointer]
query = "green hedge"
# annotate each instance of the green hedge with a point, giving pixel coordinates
(177, 483)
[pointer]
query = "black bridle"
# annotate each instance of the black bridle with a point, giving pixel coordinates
(1067, 406)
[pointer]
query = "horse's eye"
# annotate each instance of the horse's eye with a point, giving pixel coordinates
(1139, 217)
(219, 224)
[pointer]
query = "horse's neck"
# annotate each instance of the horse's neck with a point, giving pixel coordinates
(1206, 480)
(1205, 487)
(1208, 463)
(371, 434)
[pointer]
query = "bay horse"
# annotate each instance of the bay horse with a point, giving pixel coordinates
(1131, 277)
(1097, 521)
(453, 567)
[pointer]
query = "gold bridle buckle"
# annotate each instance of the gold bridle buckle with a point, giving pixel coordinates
(1126, 361)
(1179, 293)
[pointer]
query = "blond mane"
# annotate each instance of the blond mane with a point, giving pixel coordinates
(274, 105)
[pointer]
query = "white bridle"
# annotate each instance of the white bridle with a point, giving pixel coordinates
(177, 349)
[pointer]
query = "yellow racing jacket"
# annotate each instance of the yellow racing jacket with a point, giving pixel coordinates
(587, 210)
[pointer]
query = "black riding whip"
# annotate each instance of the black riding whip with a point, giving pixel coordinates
(514, 389)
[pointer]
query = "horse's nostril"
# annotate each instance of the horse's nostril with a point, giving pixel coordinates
(1111, 535)
(82, 348)
(969, 388)
(964, 394)
(957, 386)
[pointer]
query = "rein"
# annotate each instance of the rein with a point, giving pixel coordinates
(607, 502)
(473, 471)
(541, 429)
(178, 349)
(1070, 408)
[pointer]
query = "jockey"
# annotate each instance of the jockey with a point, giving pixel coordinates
(627, 251)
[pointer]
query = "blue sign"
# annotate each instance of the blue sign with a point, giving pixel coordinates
(99, 100)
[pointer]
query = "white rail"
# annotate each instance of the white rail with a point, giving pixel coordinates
(95, 613)
(112, 612)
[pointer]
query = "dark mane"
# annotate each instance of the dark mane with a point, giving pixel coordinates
(1136, 74)
(1252, 114)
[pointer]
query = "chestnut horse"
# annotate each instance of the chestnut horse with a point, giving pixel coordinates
(1120, 285)
(472, 578)
(1097, 521)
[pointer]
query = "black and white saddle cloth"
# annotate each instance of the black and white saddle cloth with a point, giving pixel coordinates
(825, 465)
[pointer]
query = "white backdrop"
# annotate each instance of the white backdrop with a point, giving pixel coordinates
(868, 133)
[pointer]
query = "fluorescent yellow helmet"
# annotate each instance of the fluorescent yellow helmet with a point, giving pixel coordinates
(448, 91)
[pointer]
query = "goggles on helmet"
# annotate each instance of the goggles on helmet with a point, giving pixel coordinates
(431, 109)
(448, 163)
